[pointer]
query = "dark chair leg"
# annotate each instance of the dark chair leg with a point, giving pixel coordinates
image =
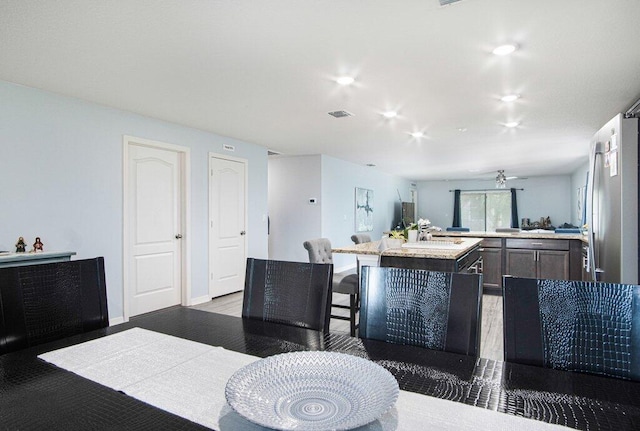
(353, 300)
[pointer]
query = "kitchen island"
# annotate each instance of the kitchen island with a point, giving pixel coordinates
(531, 254)
(439, 254)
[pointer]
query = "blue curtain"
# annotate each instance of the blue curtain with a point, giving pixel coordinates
(514, 210)
(457, 222)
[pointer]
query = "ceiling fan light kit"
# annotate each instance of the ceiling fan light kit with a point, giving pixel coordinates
(501, 180)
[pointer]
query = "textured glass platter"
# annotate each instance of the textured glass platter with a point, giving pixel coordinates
(312, 391)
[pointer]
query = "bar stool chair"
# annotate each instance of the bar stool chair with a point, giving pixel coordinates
(360, 238)
(320, 252)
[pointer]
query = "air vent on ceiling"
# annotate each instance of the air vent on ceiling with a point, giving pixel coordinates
(341, 114)
(446, 2)
(272, 153)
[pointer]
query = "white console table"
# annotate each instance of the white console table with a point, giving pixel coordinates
(22, 259)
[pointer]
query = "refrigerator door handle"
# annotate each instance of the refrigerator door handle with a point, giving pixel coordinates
(596, 151)
(597, 274)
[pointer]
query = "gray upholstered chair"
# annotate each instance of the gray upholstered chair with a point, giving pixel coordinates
(360, 238)
(435, 310)
(320, 252)
(293, 293)
(588, 327)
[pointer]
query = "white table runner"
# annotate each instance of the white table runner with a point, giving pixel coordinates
(188, 379)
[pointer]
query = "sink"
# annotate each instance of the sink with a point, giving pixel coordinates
(436, 245)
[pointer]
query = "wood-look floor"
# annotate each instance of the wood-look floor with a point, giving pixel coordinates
(490, 337)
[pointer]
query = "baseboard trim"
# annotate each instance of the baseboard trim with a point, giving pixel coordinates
(344, 268)
(116, 321)
(199, 300)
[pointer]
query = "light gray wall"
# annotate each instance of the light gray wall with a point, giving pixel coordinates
(294, 180)
(61, 163)
(578, 181)
(339, 181)
(542, 196)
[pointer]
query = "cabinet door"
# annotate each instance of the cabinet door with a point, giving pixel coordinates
(521, 263)
(492, 267)
(553, 265)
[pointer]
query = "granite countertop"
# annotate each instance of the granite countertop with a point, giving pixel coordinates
(448, 250)
(522, 234)
(364, 248)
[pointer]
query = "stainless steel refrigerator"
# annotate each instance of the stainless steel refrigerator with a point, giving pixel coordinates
(612, 202)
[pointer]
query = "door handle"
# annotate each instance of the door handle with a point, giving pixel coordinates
(242, 232)
(178, 236)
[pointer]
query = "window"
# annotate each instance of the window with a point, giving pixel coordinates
(485, 210)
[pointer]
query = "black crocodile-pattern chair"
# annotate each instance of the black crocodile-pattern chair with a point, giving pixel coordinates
(46, 302)
(588, 327)
(436, 310)
(320, 252)
(294, 293)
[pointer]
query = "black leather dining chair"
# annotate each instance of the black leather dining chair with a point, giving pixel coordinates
(293, 293)
(46, 302)
(435, 310)
(320, 252)
(581, 326)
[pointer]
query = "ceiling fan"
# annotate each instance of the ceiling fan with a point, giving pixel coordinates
(501, 179)
(487, 175)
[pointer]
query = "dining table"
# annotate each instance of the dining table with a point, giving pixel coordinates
(37, 394)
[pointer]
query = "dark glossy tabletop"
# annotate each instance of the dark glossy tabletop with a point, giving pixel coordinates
(37, 395)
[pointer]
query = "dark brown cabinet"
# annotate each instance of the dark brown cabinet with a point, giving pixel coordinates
(553, 258)
(465, 263)
(547, 259)
(491, 251)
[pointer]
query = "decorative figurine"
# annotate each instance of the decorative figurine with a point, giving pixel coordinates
(37, 246)
(21, 246)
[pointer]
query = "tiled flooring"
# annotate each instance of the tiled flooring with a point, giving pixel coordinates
(490, 338)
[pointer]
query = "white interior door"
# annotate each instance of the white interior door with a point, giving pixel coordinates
(154, 278)
(227, 235)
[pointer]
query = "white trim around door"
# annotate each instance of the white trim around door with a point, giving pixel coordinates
(184, 157)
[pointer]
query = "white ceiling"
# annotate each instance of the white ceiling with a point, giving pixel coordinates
(263, 71)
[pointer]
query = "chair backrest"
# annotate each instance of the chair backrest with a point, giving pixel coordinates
(319, 250)
(294, 293)
(573, 325)
(47, 302)
(436, 310)
(360, 238)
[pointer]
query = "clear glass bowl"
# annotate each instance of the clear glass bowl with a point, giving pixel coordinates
(312, 391)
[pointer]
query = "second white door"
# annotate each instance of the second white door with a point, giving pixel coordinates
(227, 227)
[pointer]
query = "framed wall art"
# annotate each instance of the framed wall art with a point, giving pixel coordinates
(364, 210)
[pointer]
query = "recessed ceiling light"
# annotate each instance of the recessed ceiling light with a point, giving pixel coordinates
(510, 97)
(462, 129)
(512, 124)
(417, 135)
(345, 80)
(390, 114)
(504, 49)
